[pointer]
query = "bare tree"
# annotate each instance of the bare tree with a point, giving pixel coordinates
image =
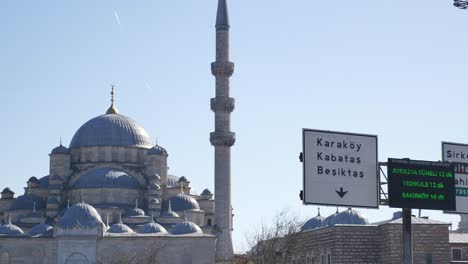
(275, 243)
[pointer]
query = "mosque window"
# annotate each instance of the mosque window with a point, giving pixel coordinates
(456, 254)
(209, 222)
(329, 259)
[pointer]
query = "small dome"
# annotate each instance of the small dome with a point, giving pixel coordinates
(33, 180)
(183, 179)
(154, 176)
(40, 229)
(206, 192)
(7, 190)
(157, 150)
(171, 180)
(169, 214)
(182, 202)
(154, 186)
(328, 219)
(81, 215)
(119, 228)
(349, 217)
(135, 212)
(186, 227)
(26, 202)
(313, 223)
(60, 150)
(106, 178)
(111, 130)
(10, 230)
(152, 228)
(154, 201)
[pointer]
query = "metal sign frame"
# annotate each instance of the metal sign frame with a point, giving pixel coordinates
(377, 172)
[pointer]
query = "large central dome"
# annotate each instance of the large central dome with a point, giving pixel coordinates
(111, 130)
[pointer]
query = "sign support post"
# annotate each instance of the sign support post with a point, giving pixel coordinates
(407, 243)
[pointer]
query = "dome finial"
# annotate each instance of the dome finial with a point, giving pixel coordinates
(9, 220)
(112, 109)
(318, 209)
(60, 141)
(136, 203)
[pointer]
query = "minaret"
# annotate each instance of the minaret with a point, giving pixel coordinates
(222, 139)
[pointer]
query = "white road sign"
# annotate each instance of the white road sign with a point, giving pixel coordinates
(458, 154)
(340, 169)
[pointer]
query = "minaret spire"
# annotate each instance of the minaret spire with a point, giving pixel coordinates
(222, 16)
(222, 138)
(112, 109)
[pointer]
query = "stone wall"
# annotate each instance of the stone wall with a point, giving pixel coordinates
(28, 250)
(430, 241)
(167, 250)
(373, 244)
(185, 249)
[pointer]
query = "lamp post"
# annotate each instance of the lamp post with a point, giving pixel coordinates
(462, 4)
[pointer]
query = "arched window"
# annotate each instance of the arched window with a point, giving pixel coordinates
(77, 258)
(209, 222)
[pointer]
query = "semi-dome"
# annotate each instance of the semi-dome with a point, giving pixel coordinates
(313, 223)
(40, 230)
(152, 228)
(119, 228)
(106, 178)
(81, 215)
(60, 150)
(44, 182)
(186, 227)
(111, 130)
(171, 180)
(27, 202)
(157, 150)
(10, 230)
(182, 202)
(349, 217)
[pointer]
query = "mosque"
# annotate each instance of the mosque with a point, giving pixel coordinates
(108, 197)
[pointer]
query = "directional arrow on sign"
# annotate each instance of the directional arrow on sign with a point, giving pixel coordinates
(341, 193)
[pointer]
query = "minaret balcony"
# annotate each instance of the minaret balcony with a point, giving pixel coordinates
(223, 139)
(222, 104)
(222, 68)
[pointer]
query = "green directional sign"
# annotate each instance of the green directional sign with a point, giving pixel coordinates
(421, 184)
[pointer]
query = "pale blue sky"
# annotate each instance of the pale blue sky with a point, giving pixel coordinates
(397, 69)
